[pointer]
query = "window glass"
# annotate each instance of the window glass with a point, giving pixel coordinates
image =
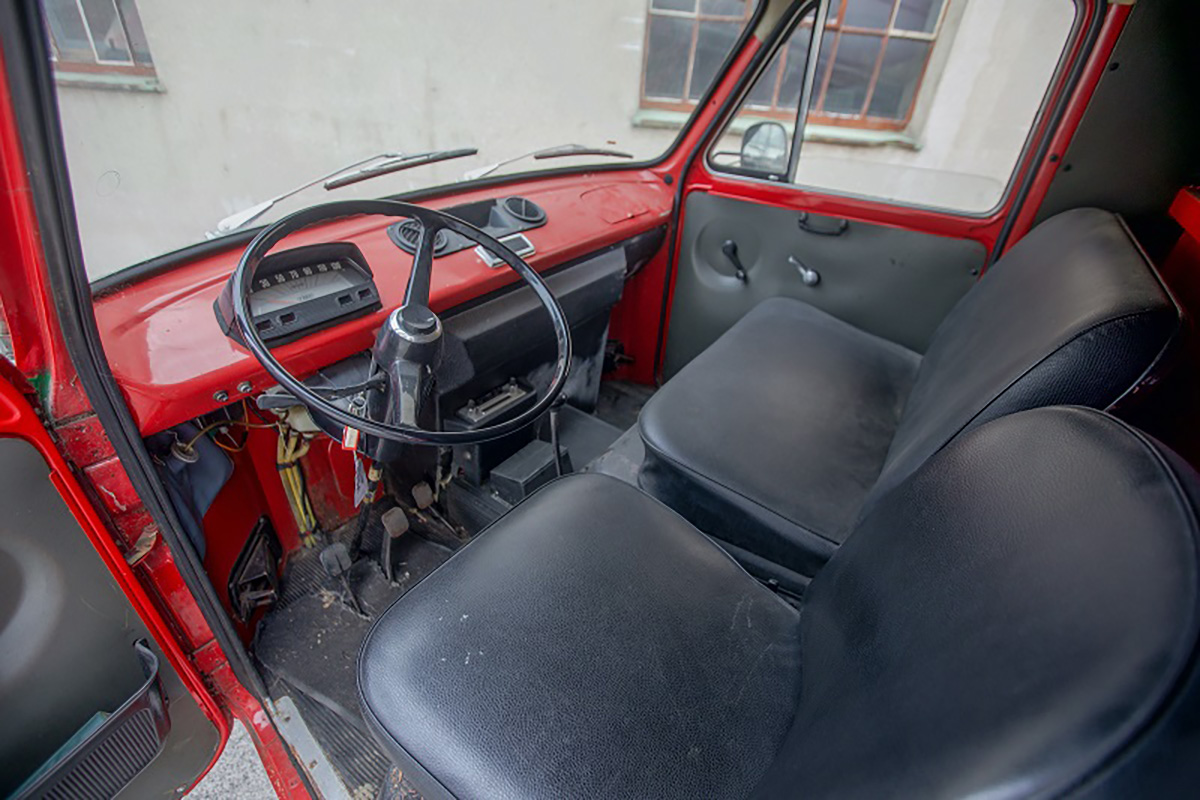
(867, 13)
(108, 34)
(921, 102)
(918, 15)
(244, 101)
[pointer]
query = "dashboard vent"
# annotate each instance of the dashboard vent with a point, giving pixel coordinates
(408, 233)
(525, 210)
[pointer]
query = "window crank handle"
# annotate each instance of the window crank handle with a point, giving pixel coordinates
(810, 276)
(730, 249)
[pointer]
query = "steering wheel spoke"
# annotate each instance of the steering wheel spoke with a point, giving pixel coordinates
(417, 291)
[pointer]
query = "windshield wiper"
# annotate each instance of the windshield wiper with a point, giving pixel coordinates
(558, 151)
(391, 162)
(244, 217)
(398, 163)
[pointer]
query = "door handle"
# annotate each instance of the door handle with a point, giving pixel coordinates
(842, 226)
(730, 249)
(810, 276)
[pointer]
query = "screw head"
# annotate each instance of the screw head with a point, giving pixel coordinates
(244, 387)
(220, 395)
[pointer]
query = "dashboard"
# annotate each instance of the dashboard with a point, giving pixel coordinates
(172, 356)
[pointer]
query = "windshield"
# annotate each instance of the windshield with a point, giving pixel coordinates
(180, 116)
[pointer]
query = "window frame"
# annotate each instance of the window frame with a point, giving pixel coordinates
(835, 27)
(94, 72)
(863, 120)
(1059, 90)
(696, 17)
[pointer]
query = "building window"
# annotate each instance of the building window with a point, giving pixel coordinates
(873, 59)
(97, 38)
(686, 42)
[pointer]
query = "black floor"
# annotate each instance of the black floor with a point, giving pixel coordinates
(620, 402)
(307, 646)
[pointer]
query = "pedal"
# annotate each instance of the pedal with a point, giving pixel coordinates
(335, 559)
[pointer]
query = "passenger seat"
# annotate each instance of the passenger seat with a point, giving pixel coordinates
(781, 433)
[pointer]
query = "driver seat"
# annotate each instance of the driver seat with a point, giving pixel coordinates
(1017, 617)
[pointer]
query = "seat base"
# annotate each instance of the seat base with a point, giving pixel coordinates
(772, 437)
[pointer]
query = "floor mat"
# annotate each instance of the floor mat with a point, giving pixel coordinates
(307, 646)
(620, 402)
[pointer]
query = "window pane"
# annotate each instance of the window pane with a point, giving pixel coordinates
(724, 8)
(899, 76)
(714, 43)
(763, 91)
(667, 57)
(793, 70)
(66, 27)
(137, 36)
(868, 13)
(674, 5)
(852, 69)
(759, 140)
(107, 32)
(918, 15)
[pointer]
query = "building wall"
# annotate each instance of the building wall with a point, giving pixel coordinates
(259, 97)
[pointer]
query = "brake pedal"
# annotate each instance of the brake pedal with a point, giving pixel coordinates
(335, 558)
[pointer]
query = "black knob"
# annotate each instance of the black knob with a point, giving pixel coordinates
(730, 249)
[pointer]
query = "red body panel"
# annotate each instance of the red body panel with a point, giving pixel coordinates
(170, 356)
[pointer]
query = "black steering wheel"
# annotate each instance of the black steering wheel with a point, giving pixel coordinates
(409, 345)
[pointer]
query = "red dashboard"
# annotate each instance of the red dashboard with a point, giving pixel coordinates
(173, 362)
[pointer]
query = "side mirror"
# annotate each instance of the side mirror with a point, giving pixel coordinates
(765, 148)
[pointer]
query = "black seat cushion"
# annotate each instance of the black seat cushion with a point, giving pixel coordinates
(1009, 621)
(590, 643)
(1018, 618)
(777, 437)
(772, 437)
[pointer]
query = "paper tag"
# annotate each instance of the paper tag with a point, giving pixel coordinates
(349, 438)
(360, 482)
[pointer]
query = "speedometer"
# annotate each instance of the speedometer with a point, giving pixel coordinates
(299, 286)
(304, 289)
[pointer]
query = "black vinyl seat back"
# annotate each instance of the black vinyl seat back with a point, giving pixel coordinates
(1074, 313)
(1019, 618)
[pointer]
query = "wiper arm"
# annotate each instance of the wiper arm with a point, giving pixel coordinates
(558, 151)
(399, 163)
(240, 219)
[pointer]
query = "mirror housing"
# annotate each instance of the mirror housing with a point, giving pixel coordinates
(765, 148)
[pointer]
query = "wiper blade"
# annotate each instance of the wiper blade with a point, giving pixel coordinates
(558, 151)
(399, 163)
(580, 150)
(240, 219)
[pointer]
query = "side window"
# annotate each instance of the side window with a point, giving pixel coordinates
(920, 102)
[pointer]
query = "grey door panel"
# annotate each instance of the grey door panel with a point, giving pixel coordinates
(66, 640)
(894, 283)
